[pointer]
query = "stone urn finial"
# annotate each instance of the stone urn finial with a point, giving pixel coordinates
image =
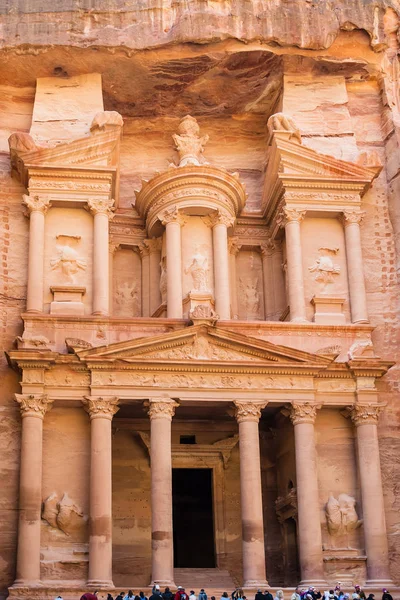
(188, 142)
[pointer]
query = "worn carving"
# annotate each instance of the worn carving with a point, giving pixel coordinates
(303, 412)
(324, 267)
(353, 217)
(188, 142)
(248, 411)
(280, 122)
(226, 446)
(76, 344)
(33, 405)
(199, 270)
(250, 297)
(290, 215)
(35, 341)
(341, 515)
(203, 312)
(63, 514)
(99, 407)
(172, 215)
(101, 206)
(67, 259)
(105, 119)
(361, 349)
(219, 217)
(36, 203)
(161, 409)
(127, 299)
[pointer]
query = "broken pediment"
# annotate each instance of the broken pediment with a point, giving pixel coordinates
(203, 343)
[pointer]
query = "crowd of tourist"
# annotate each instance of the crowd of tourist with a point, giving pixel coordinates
(309, 593)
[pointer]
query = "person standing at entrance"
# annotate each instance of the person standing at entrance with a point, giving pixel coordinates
(180, 594)
(202, 595)
(192, 595)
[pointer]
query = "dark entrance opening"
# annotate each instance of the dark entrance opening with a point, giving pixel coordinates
(192, 508)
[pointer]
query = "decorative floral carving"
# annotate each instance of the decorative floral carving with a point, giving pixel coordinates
(219, 217)
(352, 217)
(36, 203)
(199, 271)
(341, 515)
(281, 122)
(303, 412)
(99, 407)
(101, 206)
(291, 215)
(161, 409)
(365, 414)
(188, 142)
(68, 260)
(248, 411)
(172, 215)
(33, 405)
(324, 267)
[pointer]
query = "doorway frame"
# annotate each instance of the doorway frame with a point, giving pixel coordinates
(186, 456)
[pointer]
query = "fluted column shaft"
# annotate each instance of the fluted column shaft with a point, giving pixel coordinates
(101, 411)
(358, 297)
(173, 221)
(248, 415)
(161, 412)
(33, 408)
(37, 206)
(268, 280)
(365, 418)
(234, 248)
(280, 301)
(292, 219)
(303, 417)
(112, 250)
(102, 211)
(145, 256)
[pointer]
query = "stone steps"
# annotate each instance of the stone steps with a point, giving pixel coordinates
(214, 581)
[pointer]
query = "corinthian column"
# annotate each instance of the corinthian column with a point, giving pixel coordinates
(101, 411)
(220, 223)
(33, 408)
(365, 418)
(173, 220)
(102, 211)
(268, 279)
(292, 219)
(234, 248)
(358, 298)
(145, 256)
(161, 412)
(37, 206)
(154, 246)
(248, 415)
(303, 417)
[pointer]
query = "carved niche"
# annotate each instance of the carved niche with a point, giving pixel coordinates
(127, 288)
(249, 285)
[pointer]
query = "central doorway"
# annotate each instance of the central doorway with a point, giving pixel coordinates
(193, 519)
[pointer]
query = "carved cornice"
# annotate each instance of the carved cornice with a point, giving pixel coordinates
(99, 407)
(303, 412)
(101, 206)
(163, 408)
(33, 405)
(353, 217)
(248, 411)
(36, 203)
(365, 414)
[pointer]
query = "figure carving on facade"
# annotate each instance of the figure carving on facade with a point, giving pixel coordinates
(68, 260)
(188, 142)
(199, 271)
(127, 299)
(341, 515)
(251, 297)
(282, 122)
(324, 267)
(62, 514)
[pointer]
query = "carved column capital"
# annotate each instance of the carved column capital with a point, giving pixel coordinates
(268, 248)
(219, 217)
(353, 216)
(153, 245)
(248, 411)
(143, 249)
(101, 206)
(33, 405)
(113, 248)
(161, 408)
(101, 407)
(303, 412)
(291, 215)
(234, 246)
(364, 414)
(172, 215)
(36, 204)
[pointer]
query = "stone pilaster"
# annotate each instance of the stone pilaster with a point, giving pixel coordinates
(173, 221)
(358, 298)
(234, 249)
(220, 221)
(291, 219)
(102, 210)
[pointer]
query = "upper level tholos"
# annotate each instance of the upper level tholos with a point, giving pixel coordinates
(196, 251)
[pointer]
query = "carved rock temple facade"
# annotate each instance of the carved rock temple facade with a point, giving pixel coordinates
(200, 312)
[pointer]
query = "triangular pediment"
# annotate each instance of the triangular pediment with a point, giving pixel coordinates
(204, 344)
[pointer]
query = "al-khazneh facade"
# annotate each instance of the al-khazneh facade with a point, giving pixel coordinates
(198, 317)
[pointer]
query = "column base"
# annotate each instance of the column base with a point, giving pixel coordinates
(318, 583)
(100, 583)
(255, 584)
(22, 583)
(163, 583)
(380, 583)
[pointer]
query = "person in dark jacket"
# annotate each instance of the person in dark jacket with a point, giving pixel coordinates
(109, 597)
(267, 595)
(386, 595)
(156, 595)
(120, 596)
(371, 597)
(167, 595)
(259, 595)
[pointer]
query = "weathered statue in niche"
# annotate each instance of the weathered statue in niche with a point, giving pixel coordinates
(127, 299)
(341, 516)
(324, 267)
(68, 260)
(199, 270)
(251, 297)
